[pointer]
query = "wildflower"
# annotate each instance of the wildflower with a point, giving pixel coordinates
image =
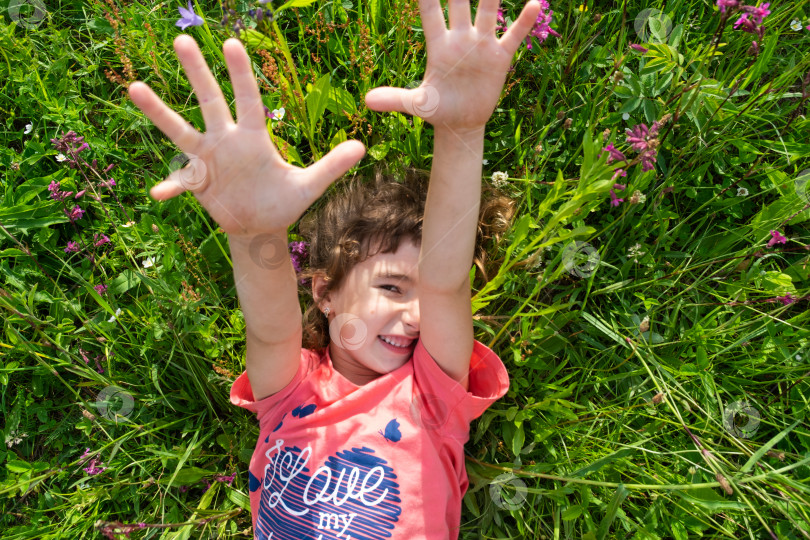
(634, 253)
(100, 289)
(92, 469)
(75, 213)
(638, 48)
(787, 299)
(485, 162)
(638, 198)
(108, 183)
(100, 240)
(79, 194)
(72, 247)
(723, 4)
(499, 179)
(615, 201)
(776, 239)
(583, 8)
(541, 29)
(742, 192)
(128, 224)
(30, 127)
(757, 14)
(298, 251)
(60, 157)
(614, 154)
(277, 114)
(188, 17)
(795, 25)
(117, 313)
(148, 262)
(625, 116)
(618, 173)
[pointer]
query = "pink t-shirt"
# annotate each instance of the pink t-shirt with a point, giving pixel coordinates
(384, 460)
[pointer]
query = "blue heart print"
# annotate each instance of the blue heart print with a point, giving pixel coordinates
(392, 432)
(352, 496)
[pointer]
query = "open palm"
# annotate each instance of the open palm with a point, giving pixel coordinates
(235, 170)
(466, 65)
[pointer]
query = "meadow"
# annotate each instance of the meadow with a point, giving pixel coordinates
(650, 298)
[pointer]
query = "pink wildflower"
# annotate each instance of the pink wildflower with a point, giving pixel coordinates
(92, 469)
(638, 48)
(74, 214)
(72, 247)
(100, 241)
(541, 29)
(723, 4)
(787, 299)
(79, 194)
(100, 289)
(615, 155)
(619, 172)
(776, 238)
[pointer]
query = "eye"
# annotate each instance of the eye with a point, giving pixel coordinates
(392, 288)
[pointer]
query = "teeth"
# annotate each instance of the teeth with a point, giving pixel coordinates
(392, 342)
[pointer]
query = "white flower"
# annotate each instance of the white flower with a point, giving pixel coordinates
(149, 262)
(742, 192)
(117, 313)
(485, 162)
(60, 157)
(499, 179)
(626, 116)
(28, 129)
(796, 25)
(634, 252)
(278, 114)
(638, 197)
(128, 224)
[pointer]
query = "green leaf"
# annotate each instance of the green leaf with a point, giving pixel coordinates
(18, 466)
(615, 503)
(572, 512)
(317, 100)
(341, 102)
(767, 446)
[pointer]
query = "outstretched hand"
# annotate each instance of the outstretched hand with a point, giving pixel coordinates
(235, 171)
(466, 65)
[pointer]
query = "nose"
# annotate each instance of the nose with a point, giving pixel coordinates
(411, 314)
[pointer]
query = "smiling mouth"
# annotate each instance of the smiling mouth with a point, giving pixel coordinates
(398, 343)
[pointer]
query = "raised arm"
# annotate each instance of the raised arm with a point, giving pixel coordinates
(239, 177)
(466, 70)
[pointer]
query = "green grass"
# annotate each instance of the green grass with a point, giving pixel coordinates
(640, 385)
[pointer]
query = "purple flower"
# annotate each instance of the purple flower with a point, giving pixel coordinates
(723, 4)
(638, 48)
(648, 160)
(72, 247)
(298, 252)
(541, 29)
(615, 201)
(100, 240)
(188, 17)
(757, 14)
(108, 183)
(615, 155)
(776, 238)
(100, 289)
(92, 469)
(74, 214)
(637, 137)
(787, 299)
(619, 172)
(79, 194)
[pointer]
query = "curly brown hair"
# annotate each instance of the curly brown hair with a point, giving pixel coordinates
(381, 212)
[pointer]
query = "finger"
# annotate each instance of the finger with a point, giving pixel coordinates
(459, 14)
(216, 113)
(169, 122)
(513, 37)
(249, 106)
(422, 101)
(486, 18)
(432, 18)
(166, 190)
(317, 177)
(192, 176)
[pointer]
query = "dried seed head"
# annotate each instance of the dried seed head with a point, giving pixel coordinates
(645, 325)
(560, 115)
(606, 134)
(724, 483)
(658, 398)
(778, 455)
(88, 415)
(567, 123)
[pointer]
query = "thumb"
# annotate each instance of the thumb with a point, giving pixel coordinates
(319, 175)
(422, 101)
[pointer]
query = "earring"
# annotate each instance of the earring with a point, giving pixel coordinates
(326, 311)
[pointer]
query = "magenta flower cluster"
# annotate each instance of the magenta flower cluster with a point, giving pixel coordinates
(218, 478)
(776, 238)
(542, 26)
(92, 469)
(750, 19)
(298, 254)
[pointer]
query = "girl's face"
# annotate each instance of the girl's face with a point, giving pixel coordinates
(376, 302)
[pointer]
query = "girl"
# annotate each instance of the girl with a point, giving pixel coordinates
(362, 438)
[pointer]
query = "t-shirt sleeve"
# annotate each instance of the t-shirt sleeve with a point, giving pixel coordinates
(242, 393)
(444, 400)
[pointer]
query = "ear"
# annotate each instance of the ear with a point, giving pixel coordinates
(320, 282)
